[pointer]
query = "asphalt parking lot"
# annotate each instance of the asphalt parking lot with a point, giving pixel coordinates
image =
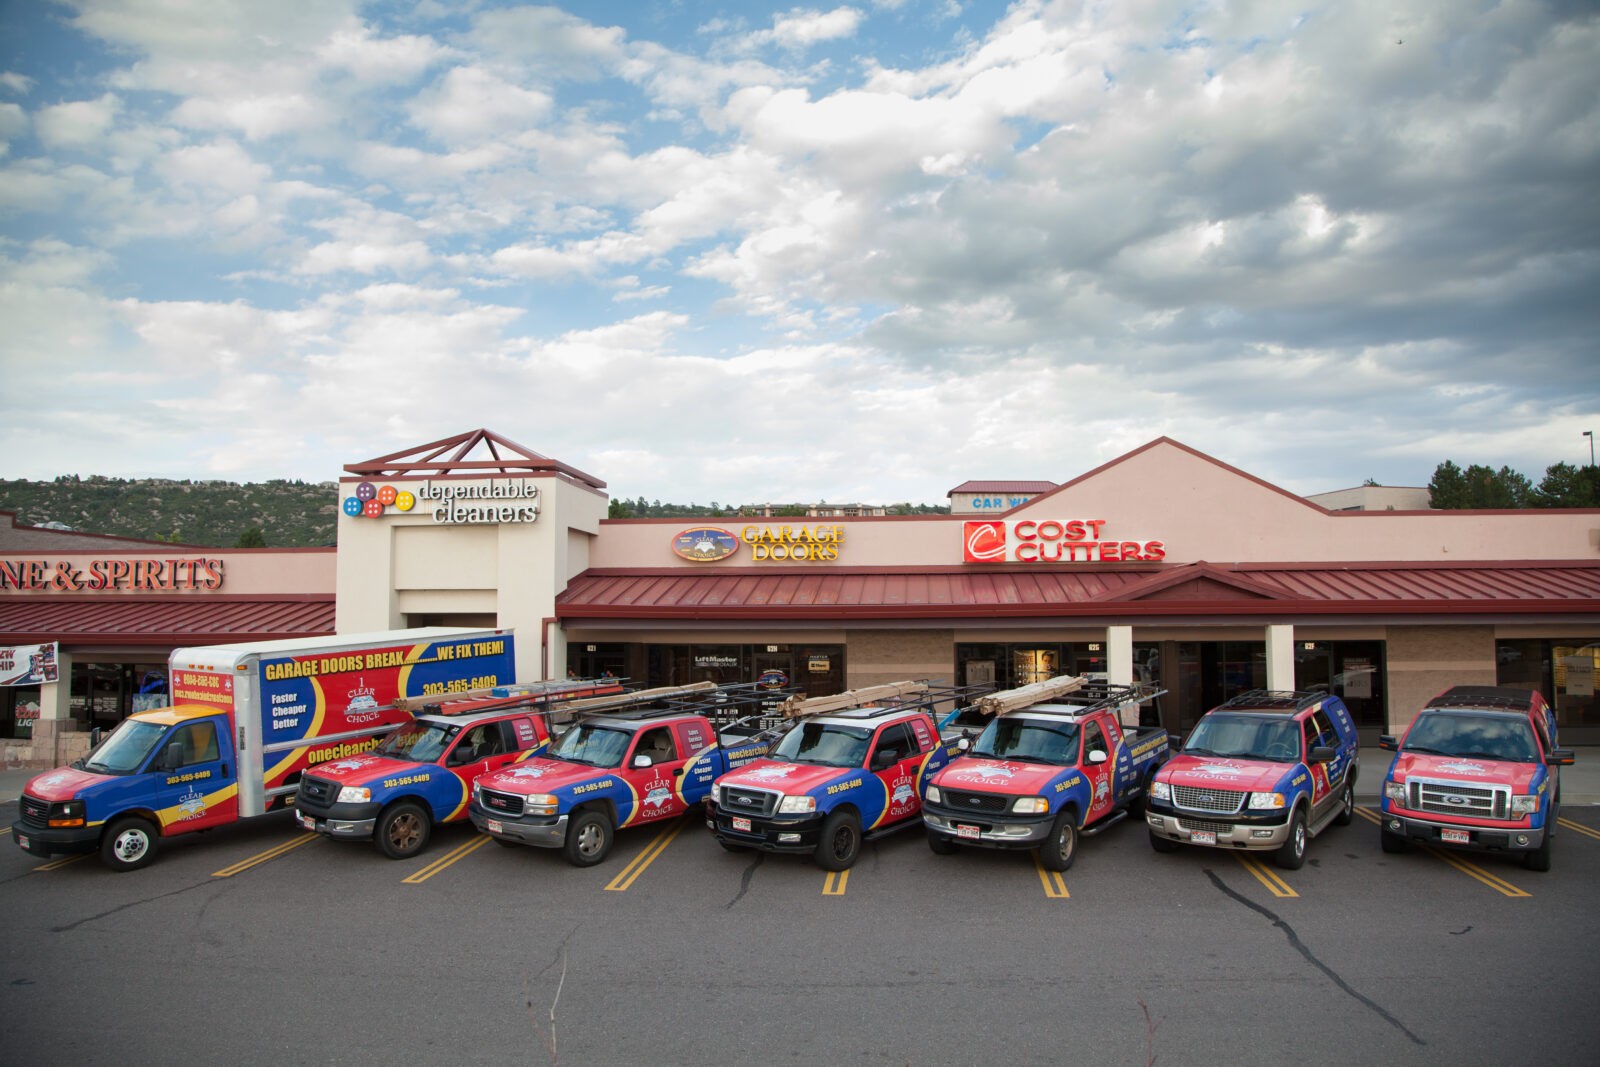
(260, 943)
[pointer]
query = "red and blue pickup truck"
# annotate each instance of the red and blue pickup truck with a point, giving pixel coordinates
(422, 773)
(1055, 762)
(616, 768)
(851, 768)
(1477, 769)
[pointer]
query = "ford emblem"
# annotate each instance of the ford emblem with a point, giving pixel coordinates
(1455, 799)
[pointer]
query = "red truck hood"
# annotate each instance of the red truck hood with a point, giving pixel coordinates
(1219, 772)
(62, 783)
(358, 770)
(1458, 768)
(540, 775)
(983, 774)
(787, 778)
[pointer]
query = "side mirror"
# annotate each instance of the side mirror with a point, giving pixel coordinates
(642, 761)
(1563, 757)
(1389, 742)
(1097, 756)
(884, 758)
(965, 743)
(1324, 754)
(461, 754)
(171, 757)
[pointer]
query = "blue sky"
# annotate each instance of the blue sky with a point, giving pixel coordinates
(751, 252)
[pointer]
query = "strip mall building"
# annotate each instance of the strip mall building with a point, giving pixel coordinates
(1164, 564)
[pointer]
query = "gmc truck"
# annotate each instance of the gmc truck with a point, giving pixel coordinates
(247, 721)
(422, 774)
(1055, 763)
(850, 769)
(617, 768)
(1265, 771)
(1477, 769)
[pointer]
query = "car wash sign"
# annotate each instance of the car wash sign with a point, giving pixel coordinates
(1052, 541)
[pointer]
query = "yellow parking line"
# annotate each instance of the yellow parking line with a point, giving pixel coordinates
(262, 857)
(1275, 885)
(644, 859)
(4, 830)
(833, 884)
(1055, 886)
(57, 864)
(1472, 870)
(1578, 827)
(459, 852)
(1371, 816)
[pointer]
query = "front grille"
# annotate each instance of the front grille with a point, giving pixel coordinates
(35, 812)
(1215, 801)
(500, 803)
(1467, 799)
(743, 801)
(1218, 828)
(318, 791)
(982, 803)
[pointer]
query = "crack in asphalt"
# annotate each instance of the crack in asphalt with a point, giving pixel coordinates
(1300, 947)
(745, 880)
(124, 907)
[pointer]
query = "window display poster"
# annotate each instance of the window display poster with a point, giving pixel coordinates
(27, 664)
(1580, 676)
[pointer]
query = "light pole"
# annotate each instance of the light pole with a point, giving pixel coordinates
(1590, 435)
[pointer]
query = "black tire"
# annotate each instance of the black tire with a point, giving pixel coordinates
(941, 845)
(1162, 844)
(1347, 804)
(129, 843)
(1057, 851)
(840, 841)
(1392, 843)
(402, 830)
(1539, 858)
(589, 837)
(1292, 856)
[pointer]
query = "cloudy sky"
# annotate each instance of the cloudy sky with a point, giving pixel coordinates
(741, 252)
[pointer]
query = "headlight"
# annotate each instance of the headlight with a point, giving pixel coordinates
(354, 794)
(67, 813)
(1524, 805)
(934, 796)
(1160, 791)
(797, 805)
(539, 804)
(1395, 791)
(716, 793)
(1266, 800)
(1031, 806)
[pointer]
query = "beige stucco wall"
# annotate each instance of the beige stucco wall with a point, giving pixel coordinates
(1198, 508)
(1423, 661)
(877, 656)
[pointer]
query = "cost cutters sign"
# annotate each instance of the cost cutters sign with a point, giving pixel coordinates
(1051, 541)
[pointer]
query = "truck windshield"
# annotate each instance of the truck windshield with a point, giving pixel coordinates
(596, 746)
(420, 741)
(1028, 739)
(1463, 734)
(126, 749)
(829, 744)
(1247, 736)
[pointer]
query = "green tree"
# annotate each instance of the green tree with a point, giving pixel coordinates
(251, 538)
(1566, 486)
(1448, 489)
(619, 509)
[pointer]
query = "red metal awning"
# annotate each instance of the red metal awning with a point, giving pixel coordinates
(1563, 588)
(161, 621)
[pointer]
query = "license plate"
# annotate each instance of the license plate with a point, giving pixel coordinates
(1455, 837)
(495, 826)
(305, 820)
(741, 824)
(970, 832)
(22, 841)
(1202, 837)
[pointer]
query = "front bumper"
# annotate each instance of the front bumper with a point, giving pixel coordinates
(1244, 831)
(541, 831)
(338, 820)
(768, 833)
(999, 830)
(48, 841)
(1479, 838)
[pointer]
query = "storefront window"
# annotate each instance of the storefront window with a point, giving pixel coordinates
(1351, 670)
(1564, 670)
(103, 694)
(19, 710)
(815, 670)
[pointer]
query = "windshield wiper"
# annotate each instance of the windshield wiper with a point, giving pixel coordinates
(1426, 751)
(1200, 752)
